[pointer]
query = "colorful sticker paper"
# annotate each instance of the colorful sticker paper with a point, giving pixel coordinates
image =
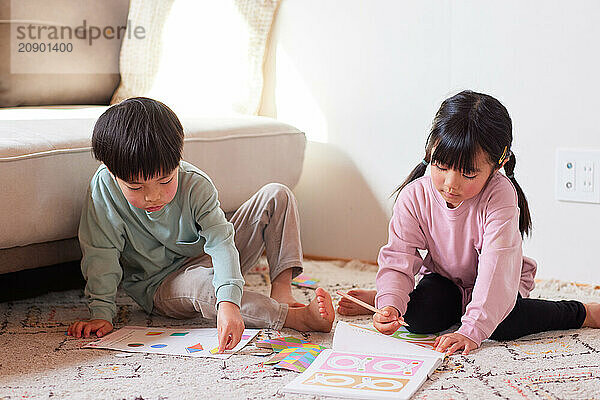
(280, 356)
(281, 343)
(298, 359)
(293, 353)
(304, 280)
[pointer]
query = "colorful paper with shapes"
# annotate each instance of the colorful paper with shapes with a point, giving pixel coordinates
(299, 360)
(294, 352)
(281, 343)
(186, 342)
(304, 280)
(195, 348)
(280, 356)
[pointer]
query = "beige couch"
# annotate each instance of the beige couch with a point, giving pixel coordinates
(46, 162)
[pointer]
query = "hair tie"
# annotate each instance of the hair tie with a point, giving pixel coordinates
(503, 154)
(425, 163)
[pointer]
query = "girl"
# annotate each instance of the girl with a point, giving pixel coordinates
(471, 219)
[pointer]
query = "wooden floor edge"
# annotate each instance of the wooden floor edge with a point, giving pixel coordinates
(324, 258)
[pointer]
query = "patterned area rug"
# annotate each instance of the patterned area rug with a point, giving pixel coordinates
(39, 362)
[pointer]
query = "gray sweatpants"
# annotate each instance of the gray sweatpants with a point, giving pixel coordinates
(268, 222)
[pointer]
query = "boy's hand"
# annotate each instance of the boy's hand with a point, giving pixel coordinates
(85, 328)
(454, 342)
(389, 322)
(229, 325)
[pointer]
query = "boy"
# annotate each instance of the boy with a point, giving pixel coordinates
(154, 222)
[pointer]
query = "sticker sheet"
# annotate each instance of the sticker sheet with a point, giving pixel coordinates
(287, 342)
(363, 376)
(304, 280)
(198, 342)
(296, 360)
(293, 353)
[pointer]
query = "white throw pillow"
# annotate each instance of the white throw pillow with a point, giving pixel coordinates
(201, 57)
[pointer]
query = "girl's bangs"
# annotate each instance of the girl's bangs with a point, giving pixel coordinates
(456, 152)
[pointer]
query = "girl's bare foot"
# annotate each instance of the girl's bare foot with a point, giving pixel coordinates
(347, 307)
(592, 315)
(317, 316)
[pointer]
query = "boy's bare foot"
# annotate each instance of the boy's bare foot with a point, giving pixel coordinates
(592, 315)
(281, 289)
(347, 307)
(284, 294)
(317, 316)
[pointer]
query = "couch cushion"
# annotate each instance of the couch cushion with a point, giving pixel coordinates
(46, 164)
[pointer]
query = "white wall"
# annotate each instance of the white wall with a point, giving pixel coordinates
(364, 79)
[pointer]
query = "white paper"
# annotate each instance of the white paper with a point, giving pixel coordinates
(198, 342)
(350, 337)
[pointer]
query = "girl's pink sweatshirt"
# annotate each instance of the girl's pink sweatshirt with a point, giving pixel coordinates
(476, 245)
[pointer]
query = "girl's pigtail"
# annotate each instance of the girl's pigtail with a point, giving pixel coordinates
(417, 172)
(525, 216)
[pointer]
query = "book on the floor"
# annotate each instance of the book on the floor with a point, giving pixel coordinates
(193, 342)
(365, 364)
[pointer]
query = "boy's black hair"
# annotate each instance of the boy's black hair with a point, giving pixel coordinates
(465, 123)
(138, 138)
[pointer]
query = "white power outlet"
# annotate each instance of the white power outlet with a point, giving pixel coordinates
(577, 178)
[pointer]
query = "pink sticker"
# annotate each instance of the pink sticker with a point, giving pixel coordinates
(371, 364)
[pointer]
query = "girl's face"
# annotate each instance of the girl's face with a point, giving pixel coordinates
(456, 187)
(152, 194)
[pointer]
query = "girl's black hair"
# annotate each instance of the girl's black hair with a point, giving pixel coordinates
(465, 123)
(138, 138)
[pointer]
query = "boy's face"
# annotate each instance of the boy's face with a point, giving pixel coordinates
(152, 194)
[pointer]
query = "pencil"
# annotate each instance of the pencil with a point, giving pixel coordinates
(365, 305)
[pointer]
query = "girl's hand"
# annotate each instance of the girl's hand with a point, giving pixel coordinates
(454, 342)
(229, 325)
(389, 322)
(85, 328)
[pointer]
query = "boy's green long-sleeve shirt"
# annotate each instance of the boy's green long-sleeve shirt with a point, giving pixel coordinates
(123, 243)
